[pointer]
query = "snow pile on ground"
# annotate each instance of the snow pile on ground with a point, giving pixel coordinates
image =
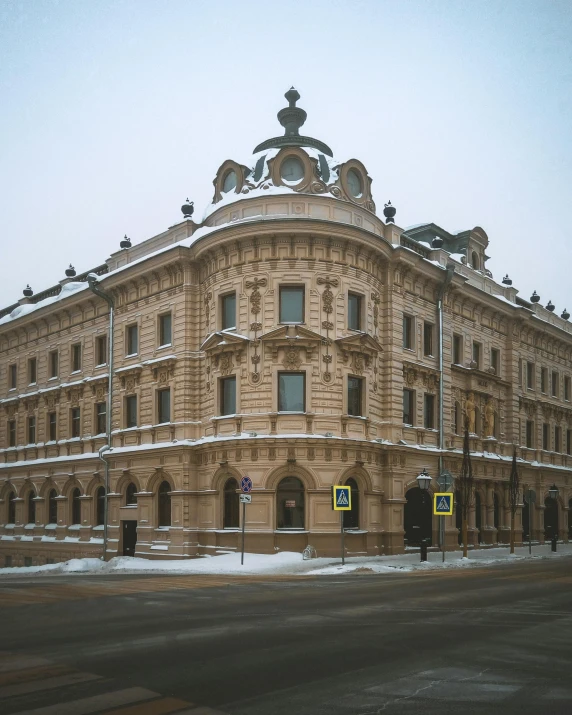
(291, 563)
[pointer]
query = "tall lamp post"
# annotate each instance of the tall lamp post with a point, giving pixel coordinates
(553, 492)
(445, 482)
(93, 280)
(423, 482)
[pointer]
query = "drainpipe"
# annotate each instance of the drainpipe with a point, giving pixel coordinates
(93, 280)
(446, 281)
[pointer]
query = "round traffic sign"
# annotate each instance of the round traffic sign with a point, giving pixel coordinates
(246, 484)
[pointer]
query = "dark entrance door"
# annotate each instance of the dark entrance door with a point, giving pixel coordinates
(417, 517)
(129, 537)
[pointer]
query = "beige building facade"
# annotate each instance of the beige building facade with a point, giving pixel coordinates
(291, 336)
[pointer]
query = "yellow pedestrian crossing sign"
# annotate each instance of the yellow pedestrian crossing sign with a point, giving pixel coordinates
(443, 503)
(341, 498)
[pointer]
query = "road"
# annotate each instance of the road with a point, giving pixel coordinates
(482, 641)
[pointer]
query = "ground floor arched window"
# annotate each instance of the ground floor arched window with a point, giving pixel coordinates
(52, 507)
(130, 493)
(164, 504)
(12, 508)
(496, 513)
(31, 508)
(351, 518)
(290, 504)
(76, 507)
(100, 506)
(231, 505)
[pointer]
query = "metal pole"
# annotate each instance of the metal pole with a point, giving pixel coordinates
(529, 525)
(442, 535)
(342, 534)
(92, 280)
(243, 525)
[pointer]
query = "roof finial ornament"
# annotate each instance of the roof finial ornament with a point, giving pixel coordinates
(292, 117)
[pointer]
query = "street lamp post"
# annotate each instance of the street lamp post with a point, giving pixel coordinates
(423, 482)
(93, 280)
(445, 482)
(553, 492)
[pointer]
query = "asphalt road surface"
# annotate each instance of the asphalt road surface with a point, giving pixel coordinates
(488, 640)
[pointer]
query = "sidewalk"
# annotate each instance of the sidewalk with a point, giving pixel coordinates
(290, 563)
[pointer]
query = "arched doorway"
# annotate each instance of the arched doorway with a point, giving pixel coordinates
(164, 504)
(417, 517)
(52, 507)
(550, 517)
(100, 506)
(290, 504)
(351, 518)
(478, 516)
(231, 519)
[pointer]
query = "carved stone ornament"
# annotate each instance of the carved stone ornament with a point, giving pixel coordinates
(12, 409)
(292, 360)
(99, 393)
(327, 295)
(327, 377)
(129, 384)
(74, 397)
(359, 362)
(225, 363)
(255, 296)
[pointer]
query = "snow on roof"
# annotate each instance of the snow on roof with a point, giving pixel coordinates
(26, 308)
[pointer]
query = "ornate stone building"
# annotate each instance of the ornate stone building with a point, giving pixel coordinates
(292, 336)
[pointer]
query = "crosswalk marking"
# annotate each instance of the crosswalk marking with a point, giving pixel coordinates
(23, 676)
(10, 662)
(85, 706)
(157, 707)
(46, 684)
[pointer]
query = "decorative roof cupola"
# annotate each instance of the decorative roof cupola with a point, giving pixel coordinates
(292, 163)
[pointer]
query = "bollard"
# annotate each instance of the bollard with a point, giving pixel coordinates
(554, 542)
(423, 549)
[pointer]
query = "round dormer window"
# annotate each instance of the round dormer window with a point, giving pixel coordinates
(292, 170)
(229, 183)
(355, 183)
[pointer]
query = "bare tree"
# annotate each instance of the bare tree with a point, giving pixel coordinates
(513, 495)
(465, 486)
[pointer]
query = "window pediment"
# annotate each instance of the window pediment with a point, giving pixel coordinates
(291, 339)
(222, 341)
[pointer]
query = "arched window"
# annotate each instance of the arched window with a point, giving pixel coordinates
(76, 507)
(231, 505)
(11, 508)
(100, 506)
(52, 507)
(290, 504)
(475, 260)
(351, 518)
(130, 494)
(31, 508)
(164, 504)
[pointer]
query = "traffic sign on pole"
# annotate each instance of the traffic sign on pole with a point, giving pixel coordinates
(341, 498)
(246, 484)
(443, 503)
(245, 498)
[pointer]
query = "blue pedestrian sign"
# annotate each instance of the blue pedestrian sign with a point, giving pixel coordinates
(443, 503)
(341, 498)
(246, 484)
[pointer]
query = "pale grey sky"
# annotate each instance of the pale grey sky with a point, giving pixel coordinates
(113, 112)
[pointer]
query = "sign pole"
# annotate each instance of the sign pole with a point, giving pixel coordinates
(442, 535)
(342, 532)
(243, 525)
(529, 523)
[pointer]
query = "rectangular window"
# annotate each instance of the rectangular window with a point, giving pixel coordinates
(131, 340)
(75, 422)
(52, 427)
(354, 311)
(228, 396)
(31, 430)
(13, 376)
(228, 311)
(76, 357)
(428, 330)
(291, 304)
(569, 441)
(429, 412)
(101, 418)
(408, 407)
(546, 436)
(355, 396)
(520, 372)
(557, 439)
(131, 411)
(12, 433)
(530, 375)
(554, 384)
(291, 391)
(457, 350)
(164, 405)
(477, 356)
(54, 366)
(32, 370)
(543, 380)
(101, 350)
(495, 360)
(408, 334)
(165, 336)
(567, 389)
(530, 434)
